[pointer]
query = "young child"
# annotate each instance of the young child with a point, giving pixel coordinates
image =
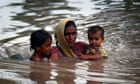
(96, 38)
(40, 42)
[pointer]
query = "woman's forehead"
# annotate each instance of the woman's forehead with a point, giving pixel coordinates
(70, 28)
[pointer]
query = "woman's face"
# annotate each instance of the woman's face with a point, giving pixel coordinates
(70, 34)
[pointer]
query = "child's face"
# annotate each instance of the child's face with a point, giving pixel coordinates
(95, 39)
(45, 48)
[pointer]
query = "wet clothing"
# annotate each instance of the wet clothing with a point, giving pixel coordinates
(79, 47)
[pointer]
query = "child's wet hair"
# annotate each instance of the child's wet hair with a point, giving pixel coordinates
(95, 29)
(38, 38)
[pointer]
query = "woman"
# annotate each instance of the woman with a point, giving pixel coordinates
(66, 34)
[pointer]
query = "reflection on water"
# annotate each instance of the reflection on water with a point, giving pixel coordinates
(78, 72)
(120, 19)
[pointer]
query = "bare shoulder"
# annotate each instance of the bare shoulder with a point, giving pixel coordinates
(35, 58)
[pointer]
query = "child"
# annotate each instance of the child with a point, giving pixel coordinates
(96, 37)
(40, 42)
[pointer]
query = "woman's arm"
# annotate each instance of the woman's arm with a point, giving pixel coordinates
(90, 57)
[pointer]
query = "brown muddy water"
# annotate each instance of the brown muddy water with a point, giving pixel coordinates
(120, 19)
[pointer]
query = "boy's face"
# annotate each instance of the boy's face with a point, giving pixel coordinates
(95, 39)
(45, 48)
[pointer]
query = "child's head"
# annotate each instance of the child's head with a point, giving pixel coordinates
(41, 41)
(95, 35)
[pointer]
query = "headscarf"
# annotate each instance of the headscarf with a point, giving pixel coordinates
(60, 38)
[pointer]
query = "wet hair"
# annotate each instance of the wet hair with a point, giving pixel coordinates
(38, 38)
(69, 23)
(95, 29)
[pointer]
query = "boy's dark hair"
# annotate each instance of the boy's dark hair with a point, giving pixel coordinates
(96, 28)
(38, 38)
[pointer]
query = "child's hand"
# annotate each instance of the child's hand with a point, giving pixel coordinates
(92, 52)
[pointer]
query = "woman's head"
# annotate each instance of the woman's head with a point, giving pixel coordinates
(66, 34)
(41, 41)
(70, 33)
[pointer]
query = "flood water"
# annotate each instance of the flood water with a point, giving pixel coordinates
(120, 19)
